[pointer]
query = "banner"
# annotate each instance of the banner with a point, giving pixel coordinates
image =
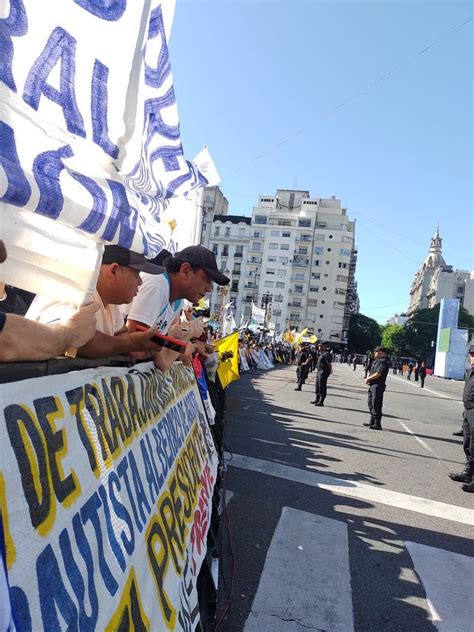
(106, 486)
(89, 127)
(228, 350)
(258, 315)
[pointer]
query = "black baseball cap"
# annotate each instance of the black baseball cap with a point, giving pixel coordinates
(383, 349)
(130, 259)
(205, 259)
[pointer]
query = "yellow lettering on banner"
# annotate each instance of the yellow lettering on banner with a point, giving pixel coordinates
(158, 558)
(129, 616)
(9, 544)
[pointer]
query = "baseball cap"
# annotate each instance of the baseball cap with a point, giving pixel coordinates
(379, 348)
(205, 259)
(130, 259)
(471, 348)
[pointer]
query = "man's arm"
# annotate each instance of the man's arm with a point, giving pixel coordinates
(371, 377)
(123, 343)
(22, 339)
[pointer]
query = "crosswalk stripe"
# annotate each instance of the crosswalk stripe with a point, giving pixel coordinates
(448, 580)
(305, 582)
(354, 489)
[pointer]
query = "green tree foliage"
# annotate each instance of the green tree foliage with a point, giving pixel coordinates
(364, 334)
(393, 337)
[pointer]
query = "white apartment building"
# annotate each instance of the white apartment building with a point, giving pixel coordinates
(436, 280)
(295, 251)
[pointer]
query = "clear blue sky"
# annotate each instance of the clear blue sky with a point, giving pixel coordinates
(260, 82)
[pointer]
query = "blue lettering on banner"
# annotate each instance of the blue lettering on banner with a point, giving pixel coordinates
(96, 216)
(60, 46)
(18, 188)
(110, 10)
(90, 511)
(53, 595)
(123, 217)
(116, 548)
(46, 169)
(20, 609)
(99, 106)
(15, 25)
(155, 77)
(121, 511)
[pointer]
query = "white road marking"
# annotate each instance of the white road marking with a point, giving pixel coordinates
(448, 579)
(429, 390)
(306, 581)
(354, 489)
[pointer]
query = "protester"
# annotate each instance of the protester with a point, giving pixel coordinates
(303, 361)
(118, 282)
(189, 275)
(422, 373)
(23, 340)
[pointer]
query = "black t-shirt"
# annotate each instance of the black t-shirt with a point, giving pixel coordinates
(14, 302)
(3, 319)
(302, 357)
(379, 366)
(324, 362)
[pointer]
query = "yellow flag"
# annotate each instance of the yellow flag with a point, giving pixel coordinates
(313, 339)
(228, 370)
(299, 337)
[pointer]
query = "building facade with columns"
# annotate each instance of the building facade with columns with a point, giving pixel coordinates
(435, 279)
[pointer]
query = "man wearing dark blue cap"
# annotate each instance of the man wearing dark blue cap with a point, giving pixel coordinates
(467, 475)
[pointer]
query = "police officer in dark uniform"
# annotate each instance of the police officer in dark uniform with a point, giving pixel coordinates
(376, 382)
(303, 360)
(323, 371)
(467, 475)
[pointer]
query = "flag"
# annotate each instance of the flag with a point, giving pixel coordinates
(228, 369)
(299, 337)
(258, 314)
(89, 135)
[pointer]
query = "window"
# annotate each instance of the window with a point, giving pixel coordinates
(318, 250)
(302, 251)
(344, 252)
(273, 246)
(315, 275)
(299, 276)
(281, 272)
(284, 246)
(460, 289)
(316, 262)
(312, 302)
(255, 246)
(272, 259)
(339, 290)
(346, 239)
(267, 200)
(227, 231)
(274, 233)
(286, 233)
(314, 289)
(319, 237)
(337, 319)
(338, 305)
(284, 222)
(282, 259)
(241, 230)
(235, 286)
(341, 277)
(341, 265)
(304, 222)
(260, 219)
(270, 271)
(268, 283)
(257, 234)
(298, 289)
(215, 249)
(217, 230)
(239, 251)
(225, 250)
(280, 284)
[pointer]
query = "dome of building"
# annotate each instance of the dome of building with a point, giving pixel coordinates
(434, 258)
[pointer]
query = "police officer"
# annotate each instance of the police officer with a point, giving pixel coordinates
(303, 360)
(467, 474)
(323, 371)
(376, 382)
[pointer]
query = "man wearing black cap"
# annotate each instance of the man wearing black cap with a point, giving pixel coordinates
(118, 282)
(376, 382)
(189, 275)
(323, 371)
(467, 475)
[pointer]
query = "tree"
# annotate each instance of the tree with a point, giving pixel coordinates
(363, 334)
(393, 337)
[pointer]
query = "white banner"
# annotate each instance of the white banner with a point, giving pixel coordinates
(258, 315)
(89, 127)
(106, 485)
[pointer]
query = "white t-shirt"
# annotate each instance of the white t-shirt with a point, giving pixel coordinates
(151, 306)
(47, 311)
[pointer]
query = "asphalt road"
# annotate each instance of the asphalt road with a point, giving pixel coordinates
(337, 527)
